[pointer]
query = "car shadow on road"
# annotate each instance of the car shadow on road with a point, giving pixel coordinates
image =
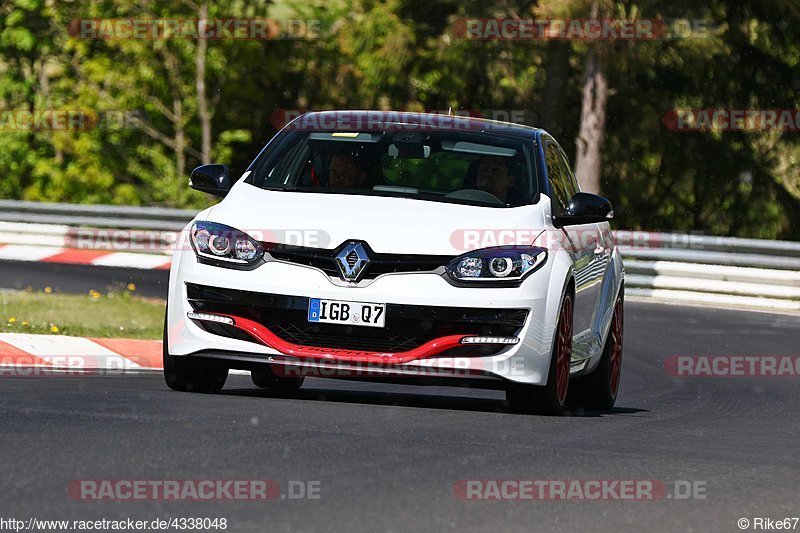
(406, 399)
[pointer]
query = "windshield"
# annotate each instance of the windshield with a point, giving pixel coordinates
(470, 168)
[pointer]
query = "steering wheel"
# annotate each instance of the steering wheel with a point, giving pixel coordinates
(475, 195)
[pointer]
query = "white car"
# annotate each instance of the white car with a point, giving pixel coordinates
(412, 247)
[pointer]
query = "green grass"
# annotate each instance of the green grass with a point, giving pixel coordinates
(117, 314)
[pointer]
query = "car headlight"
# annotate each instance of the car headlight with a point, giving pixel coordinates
(217, 242)
(505, 263)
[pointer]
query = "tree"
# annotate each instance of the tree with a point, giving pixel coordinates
(593, 110)
(188, 102)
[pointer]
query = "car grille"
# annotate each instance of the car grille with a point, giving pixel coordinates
(406, 328)
(311, 335)
(378, 264)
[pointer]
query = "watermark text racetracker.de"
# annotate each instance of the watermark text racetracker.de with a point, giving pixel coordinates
(258, 29)
(197, 490)
(466, 365)
(69, 120)
(578, 490)
(469, 239)
(158, 241)
(432, 119)
(740, 120)
(587, 29)
(59, 366)
(733, 366)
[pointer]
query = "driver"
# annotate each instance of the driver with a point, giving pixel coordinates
(344, 172)
(495, 177)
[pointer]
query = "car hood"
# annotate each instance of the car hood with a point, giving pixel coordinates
(387, 224)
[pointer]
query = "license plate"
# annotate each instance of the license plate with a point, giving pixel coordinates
(349, 313)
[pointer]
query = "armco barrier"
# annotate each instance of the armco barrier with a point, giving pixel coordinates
(674, 266)
(712, 270)
(146, 229)
(96, 216)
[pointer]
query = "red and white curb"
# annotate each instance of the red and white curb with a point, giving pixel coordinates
(25, 354)
(51, 254)
(54, 243)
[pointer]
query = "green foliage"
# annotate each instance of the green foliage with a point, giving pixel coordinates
(407, 54)
(117, 313)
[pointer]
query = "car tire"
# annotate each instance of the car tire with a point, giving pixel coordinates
(552, 398)
(598, 391)
(189, 374)
(265, 378)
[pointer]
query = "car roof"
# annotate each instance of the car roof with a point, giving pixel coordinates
(366, 120)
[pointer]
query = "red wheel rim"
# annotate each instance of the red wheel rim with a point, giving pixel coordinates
(616, 348)
(564, 349)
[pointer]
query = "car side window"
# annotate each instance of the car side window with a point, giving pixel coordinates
(571, 181)
(558, 177)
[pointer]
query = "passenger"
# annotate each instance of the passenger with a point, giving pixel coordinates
(344, 172)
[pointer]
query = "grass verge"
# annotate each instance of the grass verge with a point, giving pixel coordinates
(118, 314)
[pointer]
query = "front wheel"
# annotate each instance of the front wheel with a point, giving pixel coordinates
(552, 398)
(190, 374)
(598, 391)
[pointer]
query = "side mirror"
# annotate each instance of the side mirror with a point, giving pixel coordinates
(212, 179)
(585, 208)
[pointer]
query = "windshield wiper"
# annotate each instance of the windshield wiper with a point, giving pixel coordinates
(281, 187)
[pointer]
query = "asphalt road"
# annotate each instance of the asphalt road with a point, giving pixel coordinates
(387, 456)
(80, 279)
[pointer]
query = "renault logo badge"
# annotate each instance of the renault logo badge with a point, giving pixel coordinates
(351, 261)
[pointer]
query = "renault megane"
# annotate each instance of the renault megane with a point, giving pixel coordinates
(402, 246)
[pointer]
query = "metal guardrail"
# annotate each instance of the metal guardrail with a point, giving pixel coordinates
(674, 266)
(95, 216)
(708, 243)
(713, 270)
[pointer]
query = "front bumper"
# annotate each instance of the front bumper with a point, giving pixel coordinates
(418, 345)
